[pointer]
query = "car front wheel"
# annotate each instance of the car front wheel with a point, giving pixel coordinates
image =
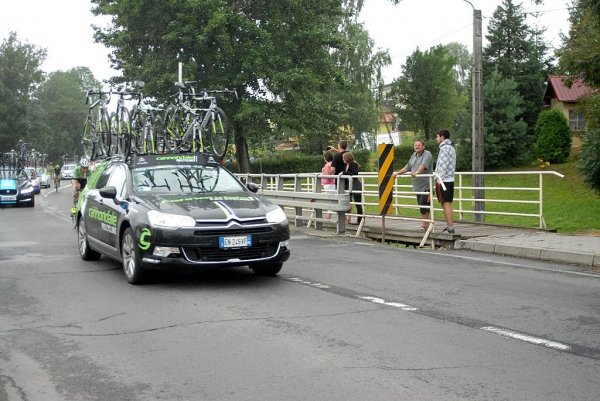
(267, 269)
(132, 264)
(84, 246)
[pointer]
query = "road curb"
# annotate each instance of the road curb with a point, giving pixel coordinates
(528, 252)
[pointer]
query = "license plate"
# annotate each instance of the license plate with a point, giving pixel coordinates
(235, 242)
(9, 198)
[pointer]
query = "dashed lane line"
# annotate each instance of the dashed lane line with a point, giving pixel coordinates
(471, 323)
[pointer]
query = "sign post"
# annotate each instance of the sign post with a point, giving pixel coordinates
(385, 182)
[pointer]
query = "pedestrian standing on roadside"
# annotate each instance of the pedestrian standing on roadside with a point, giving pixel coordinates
(338, 158)
(351, 168)
(328, 183)
(421, 162)
(445, 168)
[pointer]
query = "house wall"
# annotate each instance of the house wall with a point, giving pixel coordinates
(560, 106)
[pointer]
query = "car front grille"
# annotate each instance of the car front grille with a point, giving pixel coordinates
(8, 192)
(216, 255)
(230, 231)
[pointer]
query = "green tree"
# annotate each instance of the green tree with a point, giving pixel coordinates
(579, 54)
(276, 53)
(362, 68)
(518, 52)
(426, 91)
(59, 111)
(20, 73)
(505, 132)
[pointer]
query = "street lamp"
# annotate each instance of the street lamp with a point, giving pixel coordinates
(477, 114)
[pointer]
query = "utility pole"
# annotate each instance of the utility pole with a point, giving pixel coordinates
(477, 135)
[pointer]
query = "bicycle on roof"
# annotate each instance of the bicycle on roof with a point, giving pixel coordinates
(120, 122)
(195, 123)
(96, 130)
(146, 125)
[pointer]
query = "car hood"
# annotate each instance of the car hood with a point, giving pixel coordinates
(214, 206)
(12, 184)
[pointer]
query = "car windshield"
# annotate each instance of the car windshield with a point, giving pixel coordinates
(15, 174)
(184, 179)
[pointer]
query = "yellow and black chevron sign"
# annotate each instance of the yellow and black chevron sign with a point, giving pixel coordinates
(385, 179)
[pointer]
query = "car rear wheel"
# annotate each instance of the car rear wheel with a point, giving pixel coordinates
(84, 246)
(267, 269)
(132, 264)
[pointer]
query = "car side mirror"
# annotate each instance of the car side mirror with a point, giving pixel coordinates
(252, 187)
(109, 192)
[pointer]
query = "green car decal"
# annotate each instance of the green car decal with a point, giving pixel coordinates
(144, 243)
(105, 217)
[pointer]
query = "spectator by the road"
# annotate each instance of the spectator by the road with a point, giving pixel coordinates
(328, 183)
(338, 158)
(445, 168)
(351, 168)
(420, 162)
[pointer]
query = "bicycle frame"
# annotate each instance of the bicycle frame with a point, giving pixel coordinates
(96, 132)
(187, 126)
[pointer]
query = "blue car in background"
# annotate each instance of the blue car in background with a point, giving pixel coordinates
(16, 188)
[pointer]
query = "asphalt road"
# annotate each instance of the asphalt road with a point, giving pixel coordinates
(345, 320)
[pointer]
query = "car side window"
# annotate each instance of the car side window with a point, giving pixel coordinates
(117, 179)
(103, 180)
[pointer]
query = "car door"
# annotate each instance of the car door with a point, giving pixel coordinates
(110, 211)
(92, 207)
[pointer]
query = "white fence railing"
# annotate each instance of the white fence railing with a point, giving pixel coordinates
(304, 191)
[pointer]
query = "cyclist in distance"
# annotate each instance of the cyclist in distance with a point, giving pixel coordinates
(56, 176)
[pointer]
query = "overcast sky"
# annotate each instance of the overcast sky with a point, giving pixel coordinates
(62, 27)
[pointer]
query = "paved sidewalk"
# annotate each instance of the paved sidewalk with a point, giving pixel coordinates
(582, 250)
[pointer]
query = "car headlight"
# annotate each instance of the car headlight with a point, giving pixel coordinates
(172, 221)
(276, 215)
(26, 191)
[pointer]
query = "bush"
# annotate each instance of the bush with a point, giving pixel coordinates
(297, 163)
(553, 135)
(403, 152)
(589, 165)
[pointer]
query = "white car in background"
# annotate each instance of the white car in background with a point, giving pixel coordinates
(43, 177)
(66, 172)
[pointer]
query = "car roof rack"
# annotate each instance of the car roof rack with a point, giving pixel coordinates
(168, 159)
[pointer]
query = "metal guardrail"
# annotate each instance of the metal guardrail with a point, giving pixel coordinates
(304, 192)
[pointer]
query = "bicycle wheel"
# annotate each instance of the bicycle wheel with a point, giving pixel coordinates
(88, 141)
(124, 133)
(113, 149)
(187, 141)
(147, 135)
(160, 142)
(104, 134)
(172, 129)
(137, 131)
(219, 132)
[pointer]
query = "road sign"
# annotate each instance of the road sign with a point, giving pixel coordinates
(385, 179)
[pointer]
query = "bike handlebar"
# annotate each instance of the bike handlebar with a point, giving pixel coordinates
(98, 93)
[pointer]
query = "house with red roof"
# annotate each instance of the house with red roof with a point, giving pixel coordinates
(564, 94)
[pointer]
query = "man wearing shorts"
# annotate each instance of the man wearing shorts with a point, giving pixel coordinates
(421, 162)
(445, 168)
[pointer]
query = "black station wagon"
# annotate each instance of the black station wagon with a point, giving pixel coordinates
(164, 211)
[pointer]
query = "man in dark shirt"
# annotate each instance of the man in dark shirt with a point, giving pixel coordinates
(338, 158)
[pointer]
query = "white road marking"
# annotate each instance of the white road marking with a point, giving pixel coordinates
(381, 301)
(527, 338)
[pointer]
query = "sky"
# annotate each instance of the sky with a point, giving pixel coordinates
(63, 28)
